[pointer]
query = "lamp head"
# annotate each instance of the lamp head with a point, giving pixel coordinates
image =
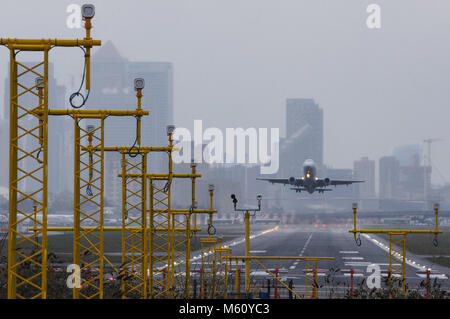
(40, 82)
(170, 129)
(139, 84)
(87, 11)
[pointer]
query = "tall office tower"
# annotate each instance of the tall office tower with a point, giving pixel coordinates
(112, 88)
(415, 179)
(113, 183)
(408, 155)
(364, 169)
(304, 134)
(389, 173)
(58, 162)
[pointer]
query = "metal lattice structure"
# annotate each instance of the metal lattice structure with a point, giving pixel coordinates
(27, 257)
(397, 247)
(208, 270)
(311, 284)
(397, 256)
(181, 240)
(223, 264)
(133, 272)
(160, 235)
(88, 208)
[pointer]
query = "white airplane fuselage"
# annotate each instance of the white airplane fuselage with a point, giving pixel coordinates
(309, 175)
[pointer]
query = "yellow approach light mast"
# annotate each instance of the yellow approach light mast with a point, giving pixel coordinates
(28, 158)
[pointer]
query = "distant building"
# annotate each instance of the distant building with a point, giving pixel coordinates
(389, 177)
(364, 169)
(58, 146)
(407, 155)
(414, 178)
(112, 88)
(113, 183)
(304, 126)
(343, 174)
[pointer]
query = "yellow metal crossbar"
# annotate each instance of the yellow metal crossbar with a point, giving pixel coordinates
(397, 247)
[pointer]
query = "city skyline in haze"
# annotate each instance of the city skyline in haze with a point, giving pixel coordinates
(235, 64)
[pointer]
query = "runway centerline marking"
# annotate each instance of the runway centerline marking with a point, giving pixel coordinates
(301, 253)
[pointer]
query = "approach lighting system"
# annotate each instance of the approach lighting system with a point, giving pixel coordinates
(139, 84)
(170, 129)
(39, 83)
(87, 11)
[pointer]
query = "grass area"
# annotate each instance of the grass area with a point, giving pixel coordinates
(422, 244)
(444, 261)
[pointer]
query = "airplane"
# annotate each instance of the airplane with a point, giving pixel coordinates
(309, 181)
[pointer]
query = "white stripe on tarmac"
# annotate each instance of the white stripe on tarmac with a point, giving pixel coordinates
(349, 252)
(358, 264)
(433, 276)
(353, 258)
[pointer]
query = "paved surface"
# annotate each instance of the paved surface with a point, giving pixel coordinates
(328, 242)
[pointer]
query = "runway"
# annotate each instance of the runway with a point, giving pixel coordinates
(329, 241)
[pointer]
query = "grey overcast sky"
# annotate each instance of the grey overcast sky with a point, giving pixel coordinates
(236, 62)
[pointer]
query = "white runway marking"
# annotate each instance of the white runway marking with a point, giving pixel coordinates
(358, 264)
(432, 276)
(349, 252)
(258, 251)
(301, 253)
(353, 258)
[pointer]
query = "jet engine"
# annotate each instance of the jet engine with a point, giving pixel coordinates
(327, 181)
(292, 180)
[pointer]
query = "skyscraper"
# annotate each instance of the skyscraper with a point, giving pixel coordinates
(112, 87)
(364, 169)
(389, 173)
(304, 135)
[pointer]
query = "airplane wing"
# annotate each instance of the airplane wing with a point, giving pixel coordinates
(335, 182)
(284, 181)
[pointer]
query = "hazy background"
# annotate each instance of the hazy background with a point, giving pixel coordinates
(236, 61)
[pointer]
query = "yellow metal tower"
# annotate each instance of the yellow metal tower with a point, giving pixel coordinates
(134, 267)
(222, 268)
(397, 247)
(27, 257)
(88, 208)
